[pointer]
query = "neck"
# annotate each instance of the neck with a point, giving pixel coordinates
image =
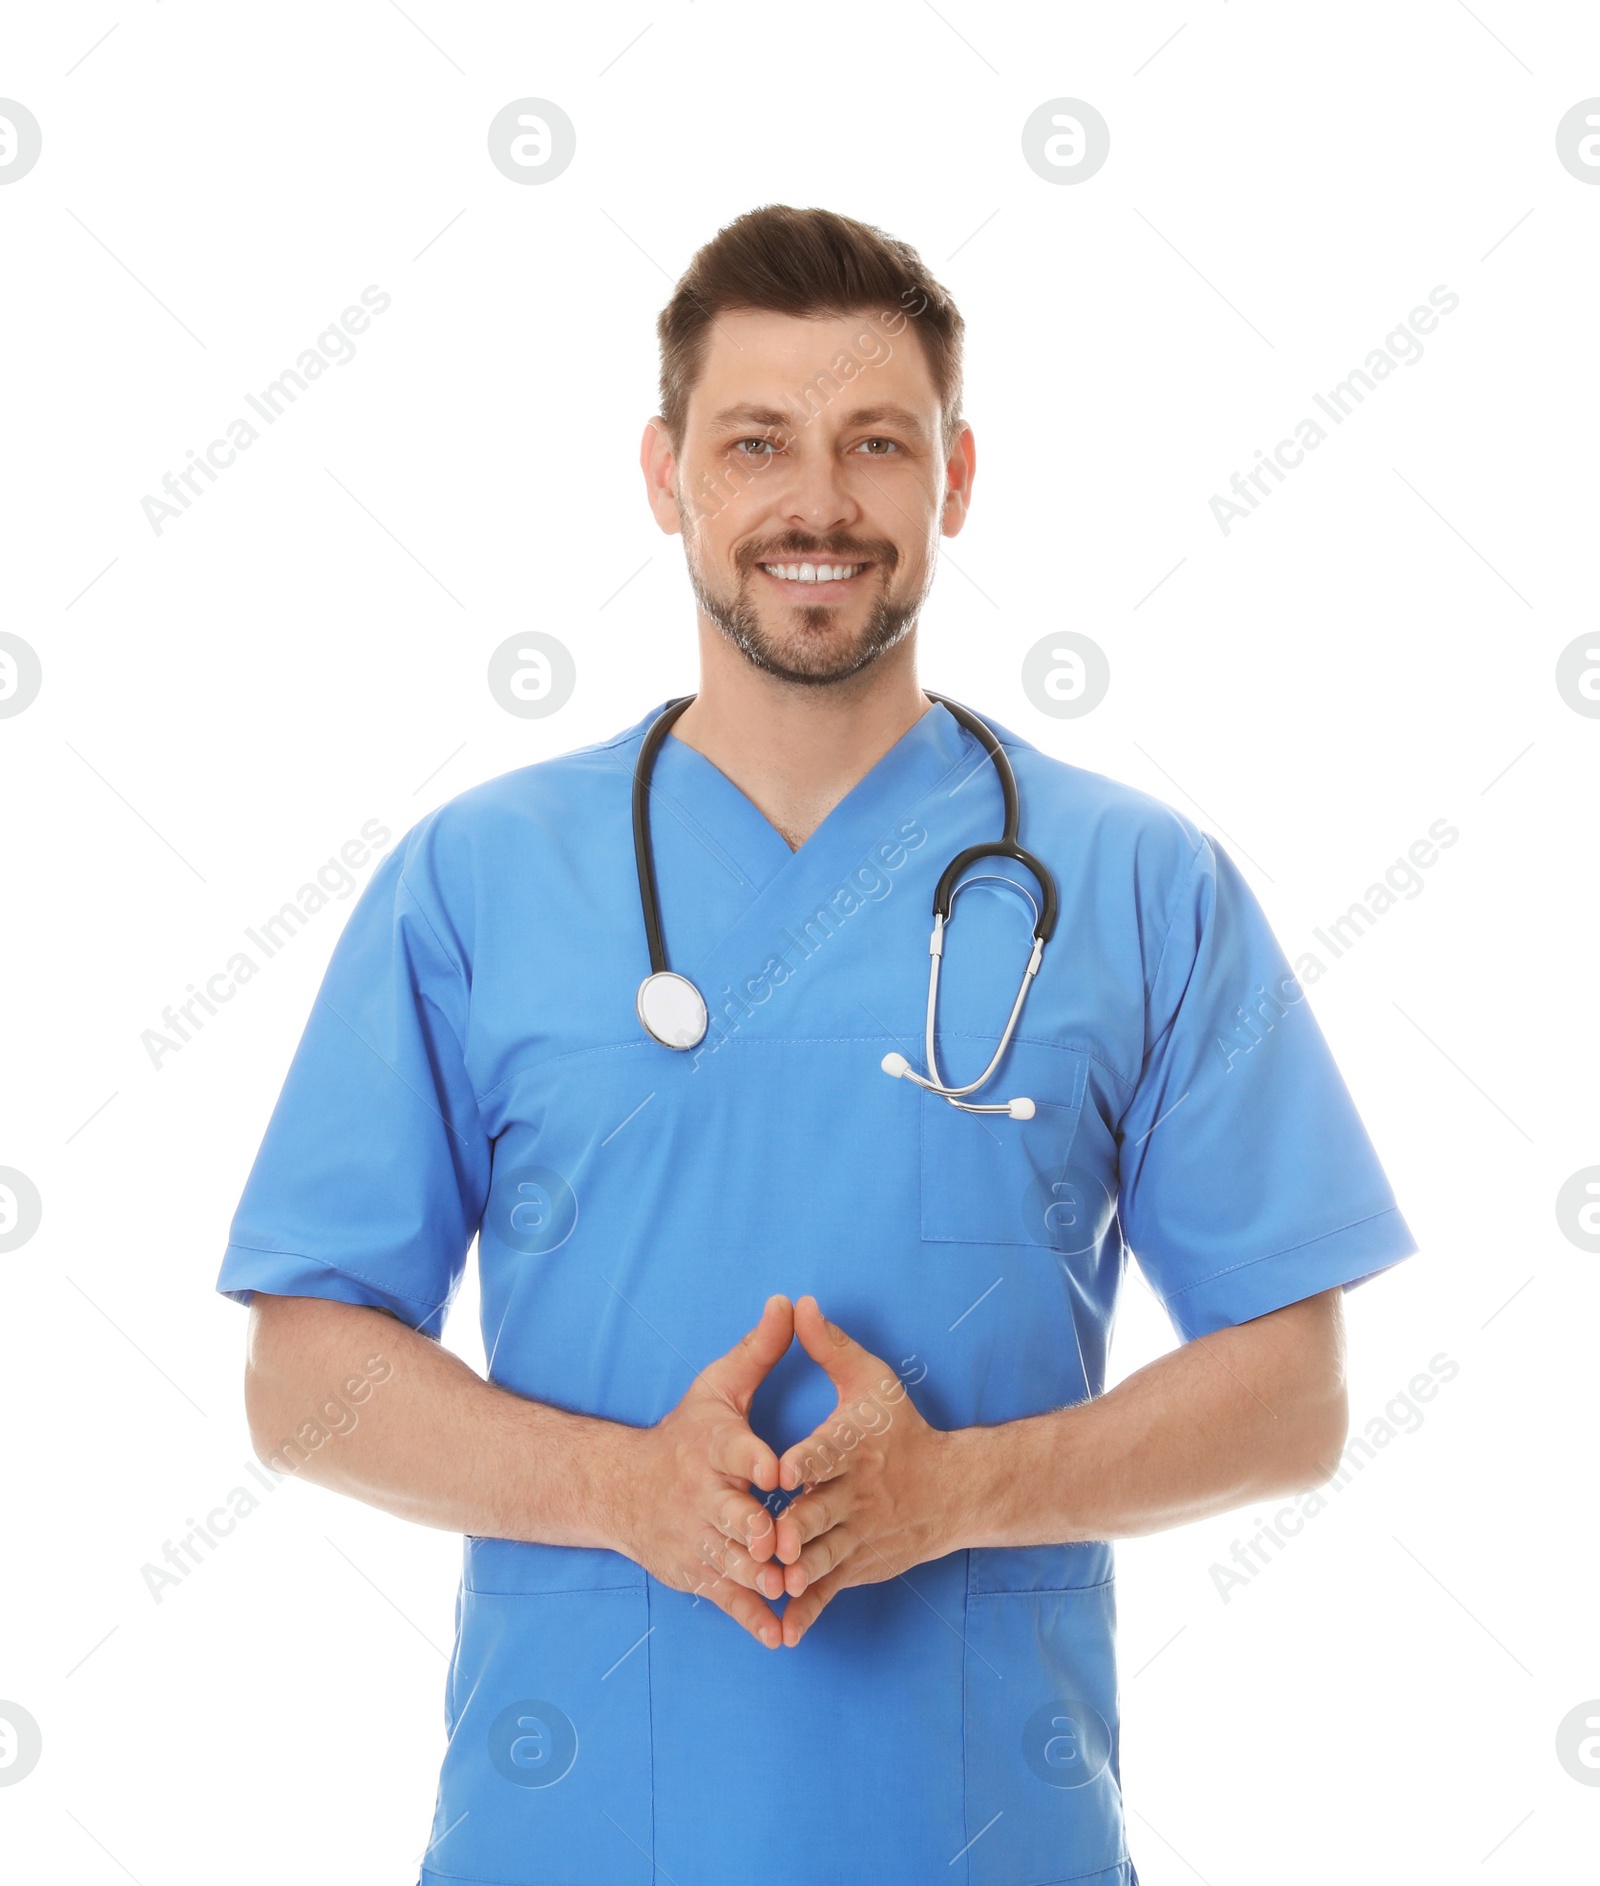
(796, 751)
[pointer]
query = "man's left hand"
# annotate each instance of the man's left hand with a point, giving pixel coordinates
(875, 1495)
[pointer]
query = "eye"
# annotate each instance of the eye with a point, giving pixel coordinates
(763, 447)
(889, 445)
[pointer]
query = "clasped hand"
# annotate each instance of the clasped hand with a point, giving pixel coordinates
(869, 1502)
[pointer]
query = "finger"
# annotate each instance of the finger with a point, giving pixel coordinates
(854, 1370)
(736, 1564)
(799, 1614)
(736, 1376)
(730, 1558)
(747, 1523)
(805, 1518)
(822, 1556)
(826, 1343)
(731, 1448)
(745, 1608)
(822, 1454)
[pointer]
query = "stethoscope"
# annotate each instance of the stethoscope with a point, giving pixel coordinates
(673, 1011)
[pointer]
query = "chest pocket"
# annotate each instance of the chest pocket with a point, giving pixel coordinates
(989, 1179)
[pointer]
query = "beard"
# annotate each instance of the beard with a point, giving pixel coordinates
(804, 645)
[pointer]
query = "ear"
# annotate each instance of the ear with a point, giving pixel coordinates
(659, 463)
(961, 468)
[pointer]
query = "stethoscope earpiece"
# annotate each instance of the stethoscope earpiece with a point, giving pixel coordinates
(897, 1066)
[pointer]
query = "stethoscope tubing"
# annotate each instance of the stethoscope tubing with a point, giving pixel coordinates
(643, 852)
(1006, 846)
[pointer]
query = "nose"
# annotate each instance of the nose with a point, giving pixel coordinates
(817, 500)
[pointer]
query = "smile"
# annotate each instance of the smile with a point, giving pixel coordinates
(814, 572)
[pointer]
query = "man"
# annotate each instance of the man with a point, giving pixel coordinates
(786, 1504)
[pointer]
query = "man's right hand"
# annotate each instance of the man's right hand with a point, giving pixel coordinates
(686, 1513)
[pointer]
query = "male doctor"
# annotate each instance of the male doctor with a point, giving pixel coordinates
(787, 1500)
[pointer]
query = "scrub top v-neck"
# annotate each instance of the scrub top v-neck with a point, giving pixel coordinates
(474, 1069)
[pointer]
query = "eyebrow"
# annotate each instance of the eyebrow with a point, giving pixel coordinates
(756, 415)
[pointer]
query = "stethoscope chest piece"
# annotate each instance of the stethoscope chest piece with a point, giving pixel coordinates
(672, 1009)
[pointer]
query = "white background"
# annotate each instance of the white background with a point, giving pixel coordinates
(305, 649)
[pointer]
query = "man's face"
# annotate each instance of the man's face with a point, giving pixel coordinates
(811, 487)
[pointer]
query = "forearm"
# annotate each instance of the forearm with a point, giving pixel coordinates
(355, 1401)
(1246, 1414)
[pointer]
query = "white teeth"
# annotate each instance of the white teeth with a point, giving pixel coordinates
(813, 572)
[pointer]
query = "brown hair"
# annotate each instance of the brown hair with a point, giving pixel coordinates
(805, 262)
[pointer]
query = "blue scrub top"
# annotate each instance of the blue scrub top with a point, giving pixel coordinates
(474, 1067)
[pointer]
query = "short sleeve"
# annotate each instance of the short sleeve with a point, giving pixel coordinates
(1247, 1180)
(370, 1180)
